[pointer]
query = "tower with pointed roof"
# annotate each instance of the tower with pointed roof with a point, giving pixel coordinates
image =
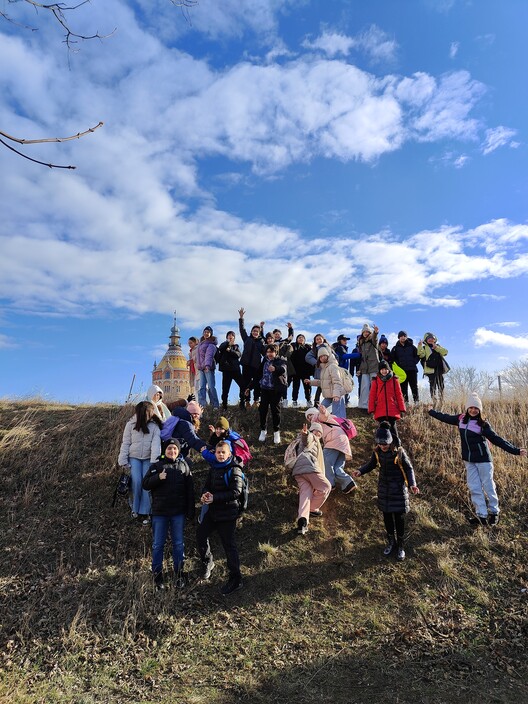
(172, 374)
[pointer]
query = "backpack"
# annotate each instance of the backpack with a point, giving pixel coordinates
(244, 498)
(122, 489)
(292, 452)
(241, 450)
(346, 426)
(167, 427)
(346, 380)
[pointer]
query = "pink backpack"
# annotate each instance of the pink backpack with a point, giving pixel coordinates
(346, 426)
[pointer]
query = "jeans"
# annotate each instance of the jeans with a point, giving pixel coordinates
(207, 383)
(160, 529)
(481, 485)
(364, 391)
(338, 407)
(334, 461)
(140, 498)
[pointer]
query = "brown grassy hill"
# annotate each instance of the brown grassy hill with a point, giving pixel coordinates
(324, 618)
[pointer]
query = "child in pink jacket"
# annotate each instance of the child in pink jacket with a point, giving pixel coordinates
(336, 448)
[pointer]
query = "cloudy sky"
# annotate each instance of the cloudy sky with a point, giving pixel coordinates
(328, 163)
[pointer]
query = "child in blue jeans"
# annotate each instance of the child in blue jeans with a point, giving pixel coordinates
(170, 483)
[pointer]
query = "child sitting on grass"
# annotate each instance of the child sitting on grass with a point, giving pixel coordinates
(221, 493)
(170, 483)
(395, 475)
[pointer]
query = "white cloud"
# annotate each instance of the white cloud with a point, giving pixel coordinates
(7, 343)
(498, 137)
(373, 42)
(453, 49)
(507, 324)
(483, 337)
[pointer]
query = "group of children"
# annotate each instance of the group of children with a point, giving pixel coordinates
(301, 364)
(162, 482)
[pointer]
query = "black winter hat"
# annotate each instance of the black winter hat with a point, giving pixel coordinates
(383, 365)
(383, 434)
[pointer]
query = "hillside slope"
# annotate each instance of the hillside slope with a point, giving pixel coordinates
(322, 618)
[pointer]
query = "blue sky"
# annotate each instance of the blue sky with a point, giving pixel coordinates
(324, 163)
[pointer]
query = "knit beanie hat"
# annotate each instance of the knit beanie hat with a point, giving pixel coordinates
(402, 333)
(322, 351)
(474, 400)
(383, 434)
(366, 328)
(383, 365)
(222, 423)
(316, 426)
(194, 407)
(383, 339)
(208, 327)
(173, 441)
(311, 412)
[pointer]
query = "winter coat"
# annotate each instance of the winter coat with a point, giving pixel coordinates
(285, 353)
(279, 376)
(310, 459)
(424, 352)
(386, 398)
(228, 357)
(302, 368)
(161, 409)
(368, 348)
(173, 495)
(205, 354)
(334, 437)
(473, 437)
(141, 446)
(345, 359)
(253, 347)
(393, 495)
(180, 426)
(193, 360)
(330, 381)
(311, 357)
(226, 483)
(406, 355)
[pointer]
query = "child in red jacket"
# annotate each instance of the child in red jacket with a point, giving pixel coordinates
(386, 399)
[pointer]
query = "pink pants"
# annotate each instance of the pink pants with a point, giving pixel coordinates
(313, 492)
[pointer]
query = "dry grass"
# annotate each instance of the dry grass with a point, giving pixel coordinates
(322, 618)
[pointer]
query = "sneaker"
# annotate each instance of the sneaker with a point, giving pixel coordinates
(401, 554)
(233, 585)
(478, 521)
(146, 521)
(389, 547)
(262, 436)
(276, 437)
(493, 519)
(294, 404)
(134, 515)
(302, 526)
(316, 514)
(284, 403)
(208, 568)
(350, 487)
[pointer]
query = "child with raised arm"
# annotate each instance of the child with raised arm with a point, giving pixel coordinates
(221, 493)
(474, 432)
(171, 487)
(395, 479)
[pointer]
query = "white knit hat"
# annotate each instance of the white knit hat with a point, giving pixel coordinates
(316, 426)
(311, 412)
(474, 400)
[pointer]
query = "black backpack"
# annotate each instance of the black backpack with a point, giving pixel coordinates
(244, 498)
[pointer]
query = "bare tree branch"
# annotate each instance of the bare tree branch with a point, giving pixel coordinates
(19, 140)
(58, 10)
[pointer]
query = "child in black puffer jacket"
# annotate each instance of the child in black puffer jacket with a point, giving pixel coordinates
(221, 493)
(396, 474)
(170, 483)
